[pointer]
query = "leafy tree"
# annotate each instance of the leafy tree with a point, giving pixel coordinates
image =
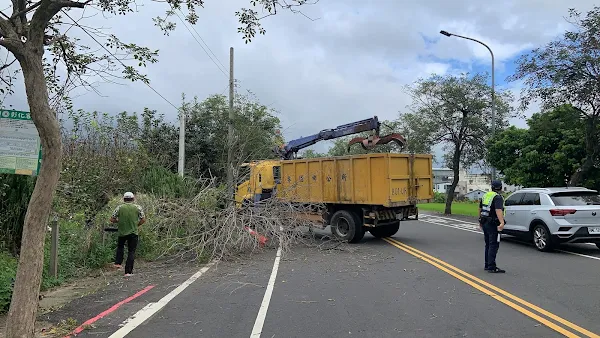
(206, 130)
(546, 154)
(27, 32)
(567, 70)
(455, 111)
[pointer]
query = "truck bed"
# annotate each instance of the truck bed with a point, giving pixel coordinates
(388, 180)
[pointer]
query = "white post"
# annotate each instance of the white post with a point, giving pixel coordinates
(181, 142)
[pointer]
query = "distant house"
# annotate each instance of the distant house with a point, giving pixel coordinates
(475, 194)
(442, 187)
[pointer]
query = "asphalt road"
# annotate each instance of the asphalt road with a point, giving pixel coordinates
(384, 288)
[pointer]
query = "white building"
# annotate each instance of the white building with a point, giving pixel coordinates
(468, 182)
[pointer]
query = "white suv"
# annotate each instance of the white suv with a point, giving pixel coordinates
(550, 216)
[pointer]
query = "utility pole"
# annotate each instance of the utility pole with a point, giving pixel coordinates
(230, 188)
(493, 86)
(181, 163)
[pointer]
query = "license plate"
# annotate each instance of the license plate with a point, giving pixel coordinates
(594, 230)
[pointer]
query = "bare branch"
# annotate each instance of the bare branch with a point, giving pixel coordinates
(25, 11)
(7, 65)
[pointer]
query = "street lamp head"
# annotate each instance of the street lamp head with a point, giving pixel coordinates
(445, 33)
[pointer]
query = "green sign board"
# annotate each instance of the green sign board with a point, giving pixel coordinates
(20, 148)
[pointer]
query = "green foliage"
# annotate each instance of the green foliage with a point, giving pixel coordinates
(15, 191)
(161, 182)
(256, 134)
(439, 197)
(548, 153)
(312, 154)
(566, 71)
(8, 271)
(102, 156)
(456, 112)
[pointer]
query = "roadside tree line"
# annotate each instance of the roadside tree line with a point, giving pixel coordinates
(561, 145)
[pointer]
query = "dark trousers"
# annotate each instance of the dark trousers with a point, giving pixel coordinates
(490, 234)
(132, 241)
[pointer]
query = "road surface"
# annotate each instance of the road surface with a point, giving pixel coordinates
(426, 281)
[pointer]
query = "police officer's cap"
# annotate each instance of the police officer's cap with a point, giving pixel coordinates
(496, 185)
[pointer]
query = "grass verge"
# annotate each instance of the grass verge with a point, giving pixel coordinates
(458, 208)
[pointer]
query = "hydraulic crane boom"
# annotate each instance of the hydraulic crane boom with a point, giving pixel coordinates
(289, 150)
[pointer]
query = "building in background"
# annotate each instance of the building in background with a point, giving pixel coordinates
(470, 185)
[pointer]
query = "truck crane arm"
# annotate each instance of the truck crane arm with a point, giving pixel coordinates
(289, 150)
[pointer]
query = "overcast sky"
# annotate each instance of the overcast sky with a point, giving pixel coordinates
(350, 63)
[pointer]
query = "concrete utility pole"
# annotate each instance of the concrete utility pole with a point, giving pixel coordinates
(230, 132)
(181, 163)
(493, 86)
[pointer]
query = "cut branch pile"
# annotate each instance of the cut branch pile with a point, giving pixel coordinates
(200, 229)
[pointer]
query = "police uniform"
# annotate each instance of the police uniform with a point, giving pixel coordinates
(490, 202)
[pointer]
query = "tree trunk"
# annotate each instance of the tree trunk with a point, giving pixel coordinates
(591, 151)
(24, 303)
(455, 169)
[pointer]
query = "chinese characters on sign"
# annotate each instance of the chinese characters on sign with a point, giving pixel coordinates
(20, 148)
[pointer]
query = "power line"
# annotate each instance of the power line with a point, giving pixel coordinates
(121, 62)
(222, 67)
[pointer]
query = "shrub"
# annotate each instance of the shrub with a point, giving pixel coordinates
(439, 197)
(8, 271)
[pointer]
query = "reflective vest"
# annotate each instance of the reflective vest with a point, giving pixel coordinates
(486, 204)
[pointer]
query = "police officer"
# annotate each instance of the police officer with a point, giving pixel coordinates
(491, 221)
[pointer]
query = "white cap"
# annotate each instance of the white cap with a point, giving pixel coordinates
(128, 195)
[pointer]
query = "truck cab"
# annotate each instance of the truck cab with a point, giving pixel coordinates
(263, 178)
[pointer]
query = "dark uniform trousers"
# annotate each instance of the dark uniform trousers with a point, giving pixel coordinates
(490, 234)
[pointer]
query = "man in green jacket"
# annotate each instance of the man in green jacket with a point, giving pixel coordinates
(129, 217)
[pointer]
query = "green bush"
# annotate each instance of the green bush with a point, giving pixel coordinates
(161, 182)
(15, 191)
(439, 197)
(8, 271)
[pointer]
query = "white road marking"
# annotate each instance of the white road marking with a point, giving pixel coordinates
(453, 226)
(461, 227)
(474, 223)
(149, 310)
(578, 254)
(451, 219)
(262, 312)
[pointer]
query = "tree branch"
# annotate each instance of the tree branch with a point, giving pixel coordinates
(7, 65)
(46, 11)
(25, 11)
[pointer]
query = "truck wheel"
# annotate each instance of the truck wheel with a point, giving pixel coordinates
(346, 226)
(383, 231)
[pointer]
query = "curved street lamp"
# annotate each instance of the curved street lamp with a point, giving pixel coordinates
(493, 89)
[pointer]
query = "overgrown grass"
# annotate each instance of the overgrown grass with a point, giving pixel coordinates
(81, 246)
(458, 208)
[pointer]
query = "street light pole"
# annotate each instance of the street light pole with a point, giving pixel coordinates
(493, 86)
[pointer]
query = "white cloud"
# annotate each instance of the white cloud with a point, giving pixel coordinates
(350, 64)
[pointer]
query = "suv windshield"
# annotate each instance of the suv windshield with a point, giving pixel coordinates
(576, 198)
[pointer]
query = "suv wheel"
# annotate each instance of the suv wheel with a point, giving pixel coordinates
(541, 238)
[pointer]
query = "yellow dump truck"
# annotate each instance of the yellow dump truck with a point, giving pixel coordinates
(359, 193)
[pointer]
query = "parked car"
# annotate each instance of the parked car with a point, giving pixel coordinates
(551, 216)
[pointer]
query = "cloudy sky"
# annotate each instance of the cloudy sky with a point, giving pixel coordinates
(349, 63)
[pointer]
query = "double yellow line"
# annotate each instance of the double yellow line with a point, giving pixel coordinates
(497, 293)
